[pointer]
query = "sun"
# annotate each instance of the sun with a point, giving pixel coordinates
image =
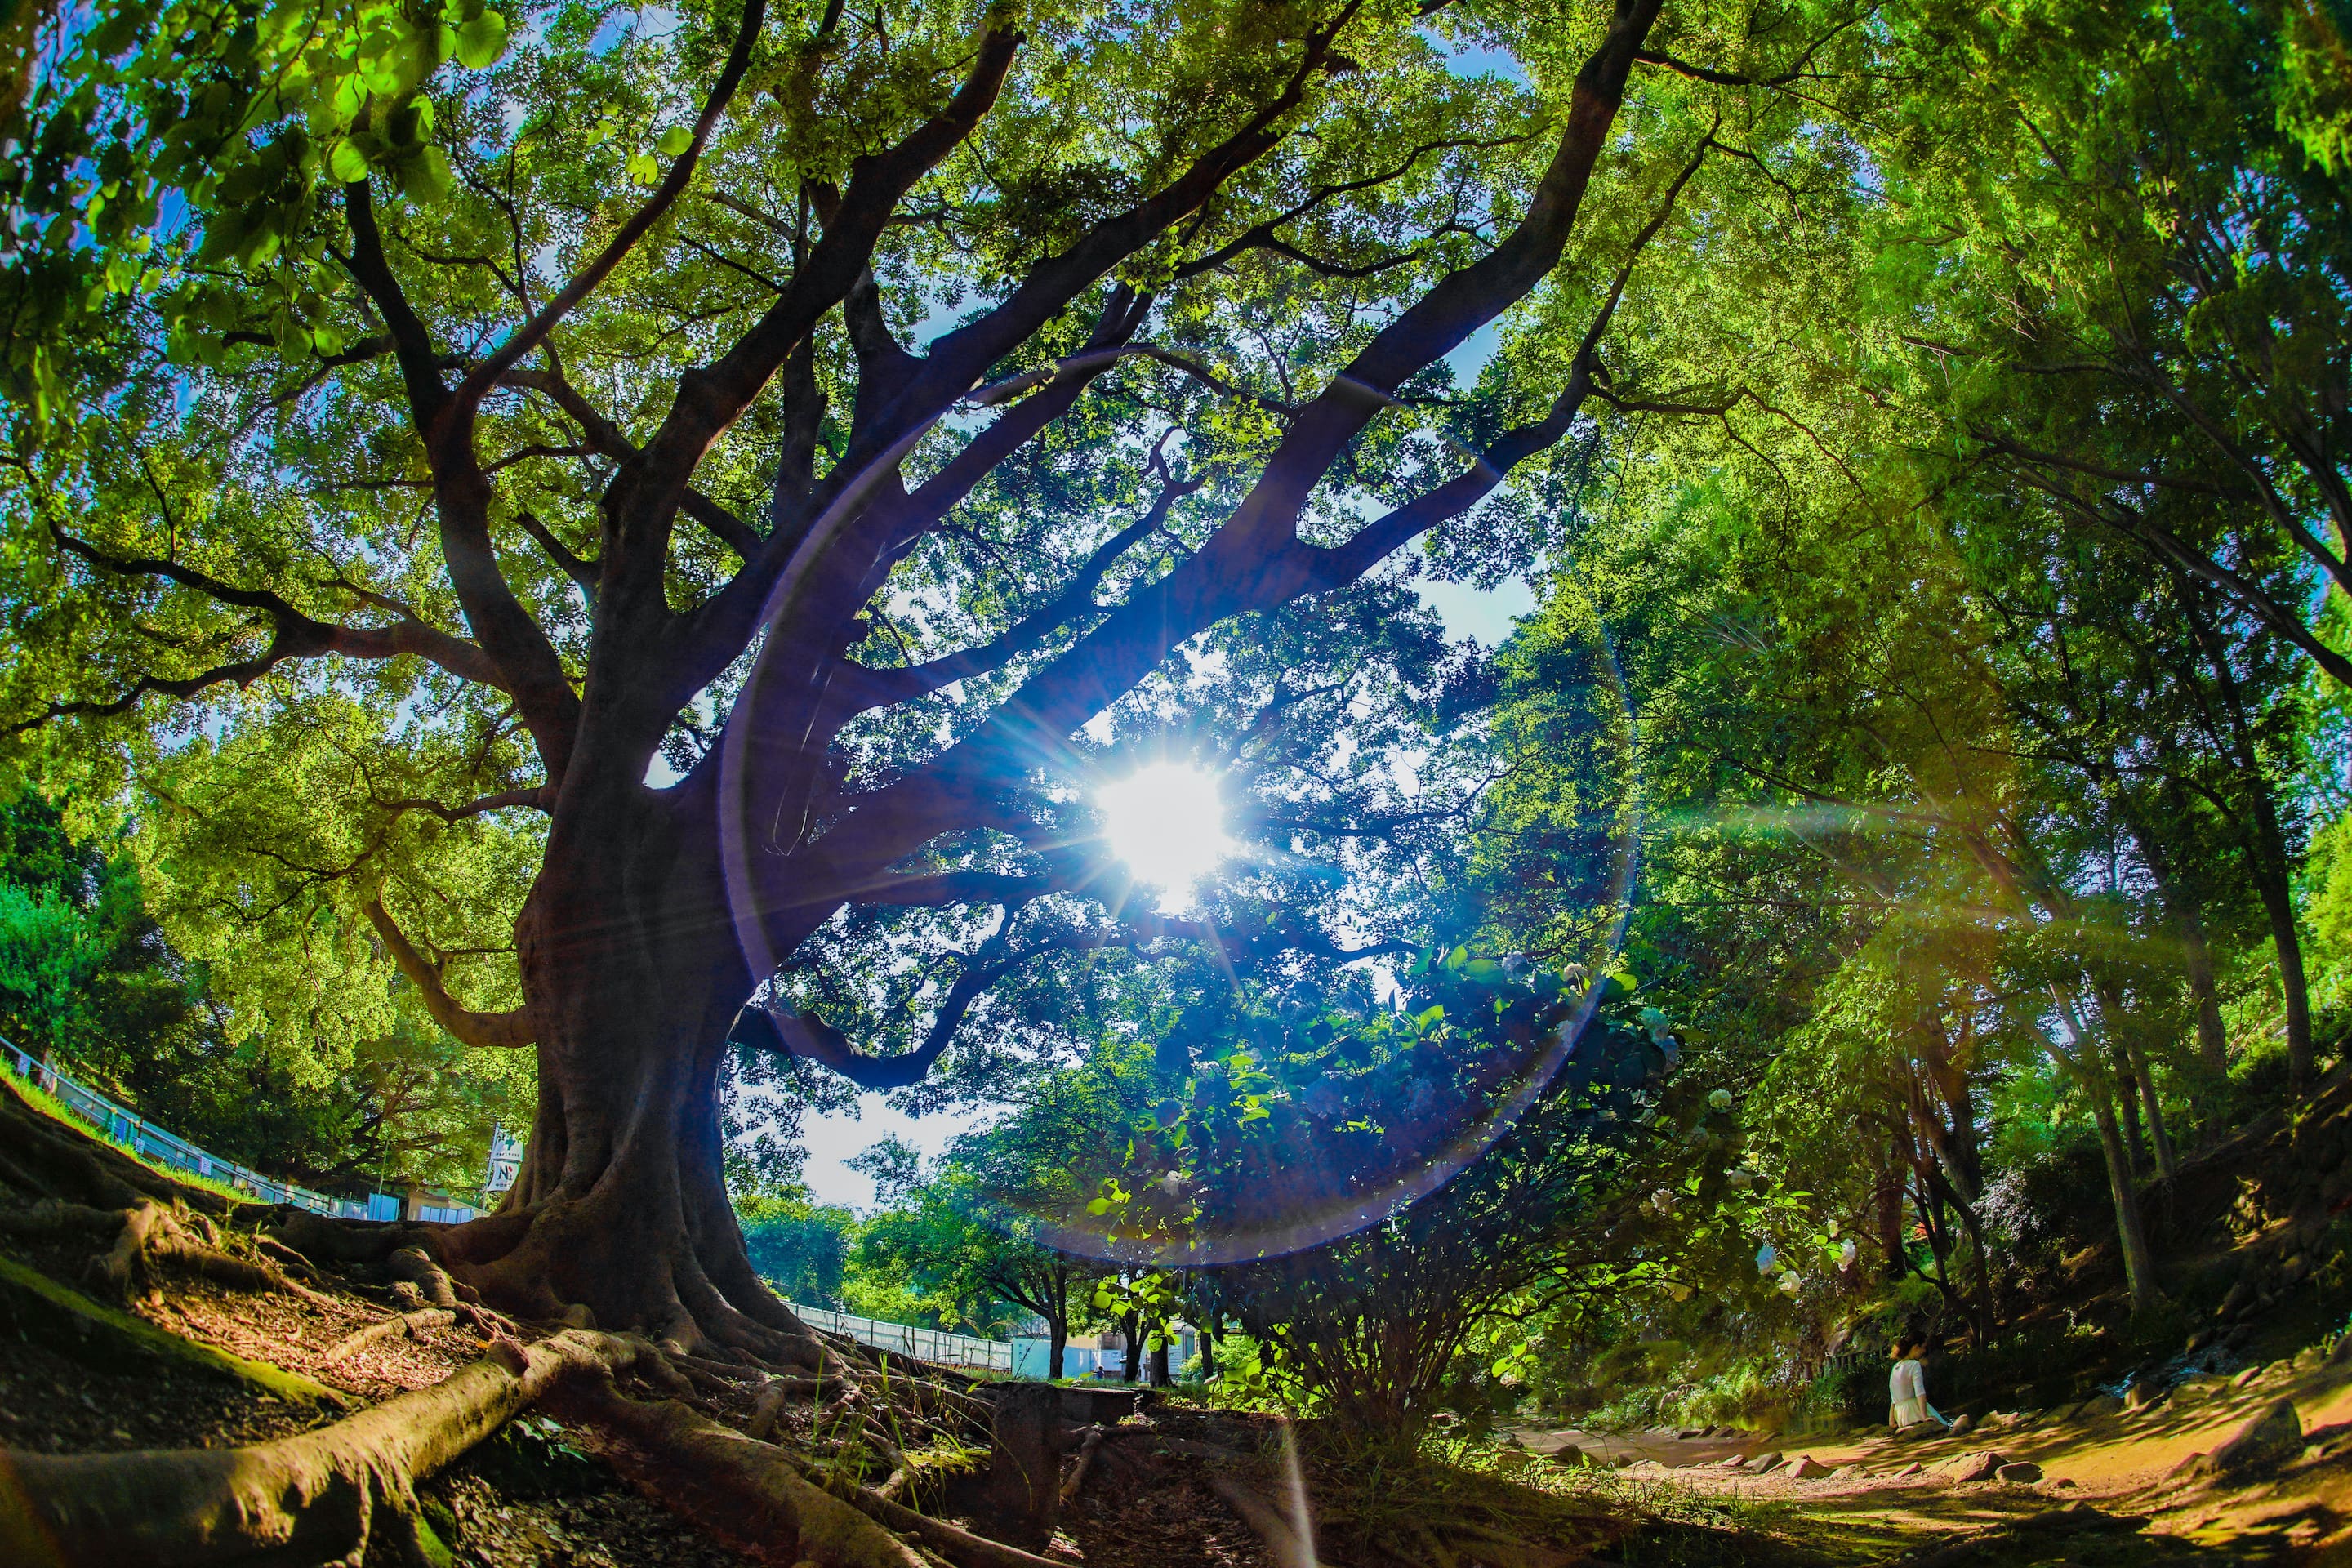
(1167, 822)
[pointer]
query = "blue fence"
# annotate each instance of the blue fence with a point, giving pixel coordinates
(145, 1139)
(905, 1339)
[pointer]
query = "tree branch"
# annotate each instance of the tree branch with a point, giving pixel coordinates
(531, 334)
(607, 438)
(296, 634)
(496, 1031)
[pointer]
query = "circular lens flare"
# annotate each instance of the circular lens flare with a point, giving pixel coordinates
(1167, 823)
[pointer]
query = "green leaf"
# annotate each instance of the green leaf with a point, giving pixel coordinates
(481, 41)
(347, 162)
(674, 141)
(425, 176)
(643, 169)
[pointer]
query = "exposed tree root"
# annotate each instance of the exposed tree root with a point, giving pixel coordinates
(763, 1495)
(960, 1547)
(1077, 1476)
(42, 1157)
(749, 1491)
(432, 1281)
(316, 1498)
(148, 1233)
(406, 1323)
(65, 1321)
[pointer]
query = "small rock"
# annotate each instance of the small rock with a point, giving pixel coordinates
(2306, 1358)
(1907, 1471)
(2143, 1393)
(2019, 1472)
(2063, 1484)
(2342, 1351)
(1762, 1462)
(1803, 1467)
(2104, 1405)
(2064, 1413)
(1734, 1463)
(1964, 1426)
(1568, 1454)
(1686, 1434)
(1977, 1466)
(2189, 1465)
(1853, 1472)
(2247, 1377)
(2268, 1439)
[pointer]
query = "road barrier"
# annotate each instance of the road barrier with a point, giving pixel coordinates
(145, 1139)
(905, 1339)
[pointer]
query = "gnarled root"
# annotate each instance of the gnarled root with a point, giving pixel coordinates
(150, 1235)
(39, 1309)
(316, 1498)
(746, 1491)
(42, 1157)
(409, 1323)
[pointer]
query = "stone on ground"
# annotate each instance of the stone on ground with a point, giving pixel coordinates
(1977, 1466)
(1963, 1425)
(2266, 1440)
(2019, 1472)
(1907, 1471)
(2104, 1404)
(1803, 1467)
(1568, 1454)
(2144, 1393)
(1762, 1462)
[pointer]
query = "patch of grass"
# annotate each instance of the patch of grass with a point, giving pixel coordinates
(56, 1110)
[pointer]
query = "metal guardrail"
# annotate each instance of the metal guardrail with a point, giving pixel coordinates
(144, 1138)
(905, 1339)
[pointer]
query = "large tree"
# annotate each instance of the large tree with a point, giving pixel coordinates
(550, 509)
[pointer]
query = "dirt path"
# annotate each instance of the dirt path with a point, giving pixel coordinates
(2097, 1475)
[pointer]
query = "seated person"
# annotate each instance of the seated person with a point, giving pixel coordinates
(1907, 1387)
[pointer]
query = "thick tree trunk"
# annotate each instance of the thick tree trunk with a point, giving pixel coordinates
(1889, 1199)
(1130, 1355)
(633, 975)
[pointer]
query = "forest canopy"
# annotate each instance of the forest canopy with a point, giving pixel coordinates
(604, 559)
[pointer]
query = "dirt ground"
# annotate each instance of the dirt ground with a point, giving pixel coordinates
(2134, 1470)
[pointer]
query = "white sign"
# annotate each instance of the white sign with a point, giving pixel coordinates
(505, 1160)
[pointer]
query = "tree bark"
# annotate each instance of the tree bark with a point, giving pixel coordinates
(2135, 1142)
(1889, 1199)
(2131, 1231)
(2269, 866)
(634, 976)
(2181, 905)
